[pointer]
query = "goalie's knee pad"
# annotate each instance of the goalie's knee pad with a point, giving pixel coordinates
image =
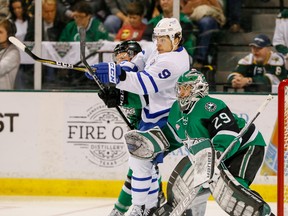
(146, 144)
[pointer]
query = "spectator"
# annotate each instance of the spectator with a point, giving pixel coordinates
(134, 29)
(4, 9)
(9, 55)
(65, 8)
(280, 38)
(233, 13)
(51, 29)
(83, 17)
(30, 7)
(167, 12)
(20, 17)
(209, 18)
(260, 70)
(118, 16)
(52, 25)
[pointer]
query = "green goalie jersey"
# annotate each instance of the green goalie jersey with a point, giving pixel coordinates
(209, 118)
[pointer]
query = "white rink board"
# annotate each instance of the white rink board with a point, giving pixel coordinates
(74, 136)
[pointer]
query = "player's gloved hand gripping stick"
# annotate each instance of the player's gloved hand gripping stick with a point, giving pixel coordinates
(103, 88)
(91, 71)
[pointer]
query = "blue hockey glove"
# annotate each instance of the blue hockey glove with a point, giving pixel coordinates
(107, 72)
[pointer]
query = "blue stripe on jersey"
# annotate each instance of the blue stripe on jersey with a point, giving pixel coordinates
(142, 84)
(142, 179)
(152, 81)
(154, 180)
(140, 190)
(154, 115)
(143, 126)
(153, 191)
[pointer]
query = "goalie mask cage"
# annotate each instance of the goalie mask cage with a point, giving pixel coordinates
(282, 173)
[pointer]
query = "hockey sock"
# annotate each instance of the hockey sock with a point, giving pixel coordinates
(124, 199)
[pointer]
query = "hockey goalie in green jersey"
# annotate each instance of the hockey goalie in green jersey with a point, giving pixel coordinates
(196, 115)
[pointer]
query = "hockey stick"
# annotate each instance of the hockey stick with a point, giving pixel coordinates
(219, 163)
(25, 49)
(102, 87)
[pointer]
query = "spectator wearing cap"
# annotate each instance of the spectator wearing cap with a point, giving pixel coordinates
(259, 71)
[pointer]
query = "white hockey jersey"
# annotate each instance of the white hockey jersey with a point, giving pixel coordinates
(281, 31)
(156, 77)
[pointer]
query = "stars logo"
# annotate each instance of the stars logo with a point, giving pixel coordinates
(94, 46)
(62, 48)
(211, 107)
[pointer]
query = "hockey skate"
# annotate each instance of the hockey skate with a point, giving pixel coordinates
(149, 212)
(137, 210)
(161, 199)
(116, 212)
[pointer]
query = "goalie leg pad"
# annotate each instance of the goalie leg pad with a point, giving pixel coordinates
(186, 180)
(203, 156)
(235, 199)
(146, 144)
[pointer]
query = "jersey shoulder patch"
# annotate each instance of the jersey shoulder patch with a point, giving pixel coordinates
(247, 60)
(210, 106)
(276, 60)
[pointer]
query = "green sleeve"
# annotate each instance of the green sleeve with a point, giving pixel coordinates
(68, 32)
(134, 100)
(282, 49)
(174, 142)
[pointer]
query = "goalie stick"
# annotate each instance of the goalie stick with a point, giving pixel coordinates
(226, 180)
(25, 49)
(102, 87)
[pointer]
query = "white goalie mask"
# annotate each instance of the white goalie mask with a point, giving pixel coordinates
(168, 27)
(190, 87)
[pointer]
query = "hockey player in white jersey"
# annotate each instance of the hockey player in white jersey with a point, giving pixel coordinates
(157, 71)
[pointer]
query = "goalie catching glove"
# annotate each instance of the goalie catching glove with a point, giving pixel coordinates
(111, 72)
